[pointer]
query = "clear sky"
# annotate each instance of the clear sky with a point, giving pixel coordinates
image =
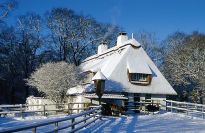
(162, 17)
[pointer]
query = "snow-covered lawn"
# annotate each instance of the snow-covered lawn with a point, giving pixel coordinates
(159, 123)
(17, 121)
(163, 123)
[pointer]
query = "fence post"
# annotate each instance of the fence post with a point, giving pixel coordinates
(56, 127)
(100, 114)
(68, 108)
(73, 126)
(44, 110)
(202, 112)
(187, 109)
(78, 108)
(34, 130)
(166, 105)
(21, 108)
(57, 108)
(85, 117)
(171, 106)
(84, 107)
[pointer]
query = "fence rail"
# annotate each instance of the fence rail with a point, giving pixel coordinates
(44, 108)
(94, 113)
(192, 109)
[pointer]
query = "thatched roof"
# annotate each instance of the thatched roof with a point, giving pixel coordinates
(114, 64)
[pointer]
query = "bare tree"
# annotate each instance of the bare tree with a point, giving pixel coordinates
(185, 64)
(9, 69)
(6, 7)
(29, 40)
(54, 79)
(75, 35)
(24, 46)
(18, 52)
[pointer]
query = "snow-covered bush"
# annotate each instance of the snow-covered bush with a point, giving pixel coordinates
(54, 79)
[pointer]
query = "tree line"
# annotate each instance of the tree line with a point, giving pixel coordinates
(59, 35)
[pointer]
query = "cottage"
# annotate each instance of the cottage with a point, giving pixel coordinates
(128, 72)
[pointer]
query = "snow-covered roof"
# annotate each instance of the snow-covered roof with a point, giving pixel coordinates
(138, 66)
(75, 90)
(115, 62)
(132, 42)
(99, 76)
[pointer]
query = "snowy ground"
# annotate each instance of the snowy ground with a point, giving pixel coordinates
(17, 121)
(163, 123)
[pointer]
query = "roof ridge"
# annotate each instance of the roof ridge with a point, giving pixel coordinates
(115, 48)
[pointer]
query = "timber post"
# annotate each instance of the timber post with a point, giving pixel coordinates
(21, 108)
(44, 110)
(56, 127)
(34, 130)
(187, 109)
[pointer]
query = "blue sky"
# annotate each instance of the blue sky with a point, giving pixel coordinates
(162, 17)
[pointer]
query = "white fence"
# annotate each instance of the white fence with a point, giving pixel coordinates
(192, 109)
(86, 118)
(43, 109)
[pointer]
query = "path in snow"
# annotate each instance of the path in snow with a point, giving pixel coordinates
(163, 123)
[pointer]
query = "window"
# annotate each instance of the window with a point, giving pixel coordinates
(139, 77)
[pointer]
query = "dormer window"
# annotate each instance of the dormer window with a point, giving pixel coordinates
(140, 78)
(139, 72)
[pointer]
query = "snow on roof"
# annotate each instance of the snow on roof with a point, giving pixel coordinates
(114, 63)
(75, 90)
(132, 42)
(138, 66)
(99, 76)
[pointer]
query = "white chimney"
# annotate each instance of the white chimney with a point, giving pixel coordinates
(121, 38)
(102, 47)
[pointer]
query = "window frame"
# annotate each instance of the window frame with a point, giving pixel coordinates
(146, 80)
(139, 77)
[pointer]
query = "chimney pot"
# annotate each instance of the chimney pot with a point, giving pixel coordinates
(102, 47)
(122, 38)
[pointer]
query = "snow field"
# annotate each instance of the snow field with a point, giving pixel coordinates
(159, 123)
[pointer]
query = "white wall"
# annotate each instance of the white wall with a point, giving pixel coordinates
(39, 101)
(77, 99)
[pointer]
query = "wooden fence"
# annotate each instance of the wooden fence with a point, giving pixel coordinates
(94, 113)
(191, 109)
(21, 109)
